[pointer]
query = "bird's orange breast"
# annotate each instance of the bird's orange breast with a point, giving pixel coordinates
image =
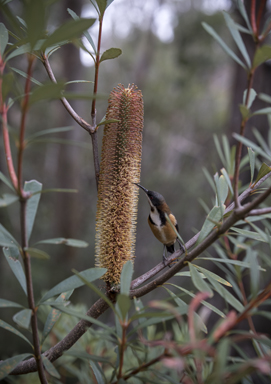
(164, 233)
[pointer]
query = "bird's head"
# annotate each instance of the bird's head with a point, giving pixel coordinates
(155, 199)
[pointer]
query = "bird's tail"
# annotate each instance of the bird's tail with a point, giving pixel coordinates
(170, 248)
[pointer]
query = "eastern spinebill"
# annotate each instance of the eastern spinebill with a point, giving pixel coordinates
(160, 227)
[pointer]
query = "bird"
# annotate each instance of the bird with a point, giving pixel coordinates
(158, 223)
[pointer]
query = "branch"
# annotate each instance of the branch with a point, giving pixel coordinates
(100, 306)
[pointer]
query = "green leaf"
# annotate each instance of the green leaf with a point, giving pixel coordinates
(245, 112)
(124, 304)
(227, 178)
(226, 295)
(263, 111)
(6, 239)
(264, 170)
(101, 5)
(98, 373)
(12, 255)
(222, 191)
(126, 278)
(3, 38)
(68, 242)
(79, 315)
(243, 12)
(223, 45)
(37, 253)
(262, 54)
(50, 367)
(34, 15)
(254, 272)
(23, 318)
(6, 181)
(6, 366)
(213, 217)
(250, 234)
(252, 145)
(48, 131)
(67, 31)
(47, 91)
(19, 51)
(9, 304)
(228, 261)
(9, 328)
(213, 275)
(252, 157)
(86, 33)
(25, 75)
(32, 204)
(237, 37)
(74, 282)
(8, 199)
(219, 150)
(265, 97)
(86, 356)
(54, 314)
(252, 96)
(198, 281)
(104, 122)
(110, 53)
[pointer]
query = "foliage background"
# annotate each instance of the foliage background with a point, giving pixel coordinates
(189, 86)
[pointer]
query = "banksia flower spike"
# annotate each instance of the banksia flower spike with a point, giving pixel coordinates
(117, 195)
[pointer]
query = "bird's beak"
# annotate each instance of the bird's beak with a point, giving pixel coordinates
(144, 189)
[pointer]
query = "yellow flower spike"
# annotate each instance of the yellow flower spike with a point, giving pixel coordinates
(117, 194)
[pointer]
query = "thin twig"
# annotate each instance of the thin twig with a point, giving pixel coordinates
(122, 348)
(253, 17)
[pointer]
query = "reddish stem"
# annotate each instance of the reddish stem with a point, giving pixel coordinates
(25, 106)
(259, 16)
(252, 17)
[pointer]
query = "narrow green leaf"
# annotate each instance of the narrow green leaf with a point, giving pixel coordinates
(124, 304)
(252, 157)
(67, 31)
(219, 150)
(243, 12)
(264, 170)
(79, 81)
(23, 318)
(252, 145)
(86, 33)
(226, 295)
(222, 190)
(9, 328)
(61, 190)
(68, 242)
(104, 122)
(6, 239)
(261, 140)
(8, 199)
(228, 261)
(227, 178)
(3, 38)
(213, 217)
(209, 178)
(47, 91)
(101, 5)
(50, 367)
(19, 51)
(6, 366)
(98, 373)
(12, 255)
(198, 281)
(48, 131)
(233, 28)
(34, 15)
(9, 304)
(211, 274)
(54, 314)
(86, 356)
(254, 272)
(6, 181)
(110, 53)
(126, 277)
(245, 112)
(252, 96)
(32, 204)
(223, 45)
(250, 234)
(37, 253)
(265, 97)
(26, 76)
(79, 315)
(74, 282)
(95, 289)
(262, 54)
(227, 152)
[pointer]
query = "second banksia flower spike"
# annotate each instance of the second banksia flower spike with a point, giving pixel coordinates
(117, 194)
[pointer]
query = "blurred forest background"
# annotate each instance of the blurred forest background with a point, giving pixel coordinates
(191, 91)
